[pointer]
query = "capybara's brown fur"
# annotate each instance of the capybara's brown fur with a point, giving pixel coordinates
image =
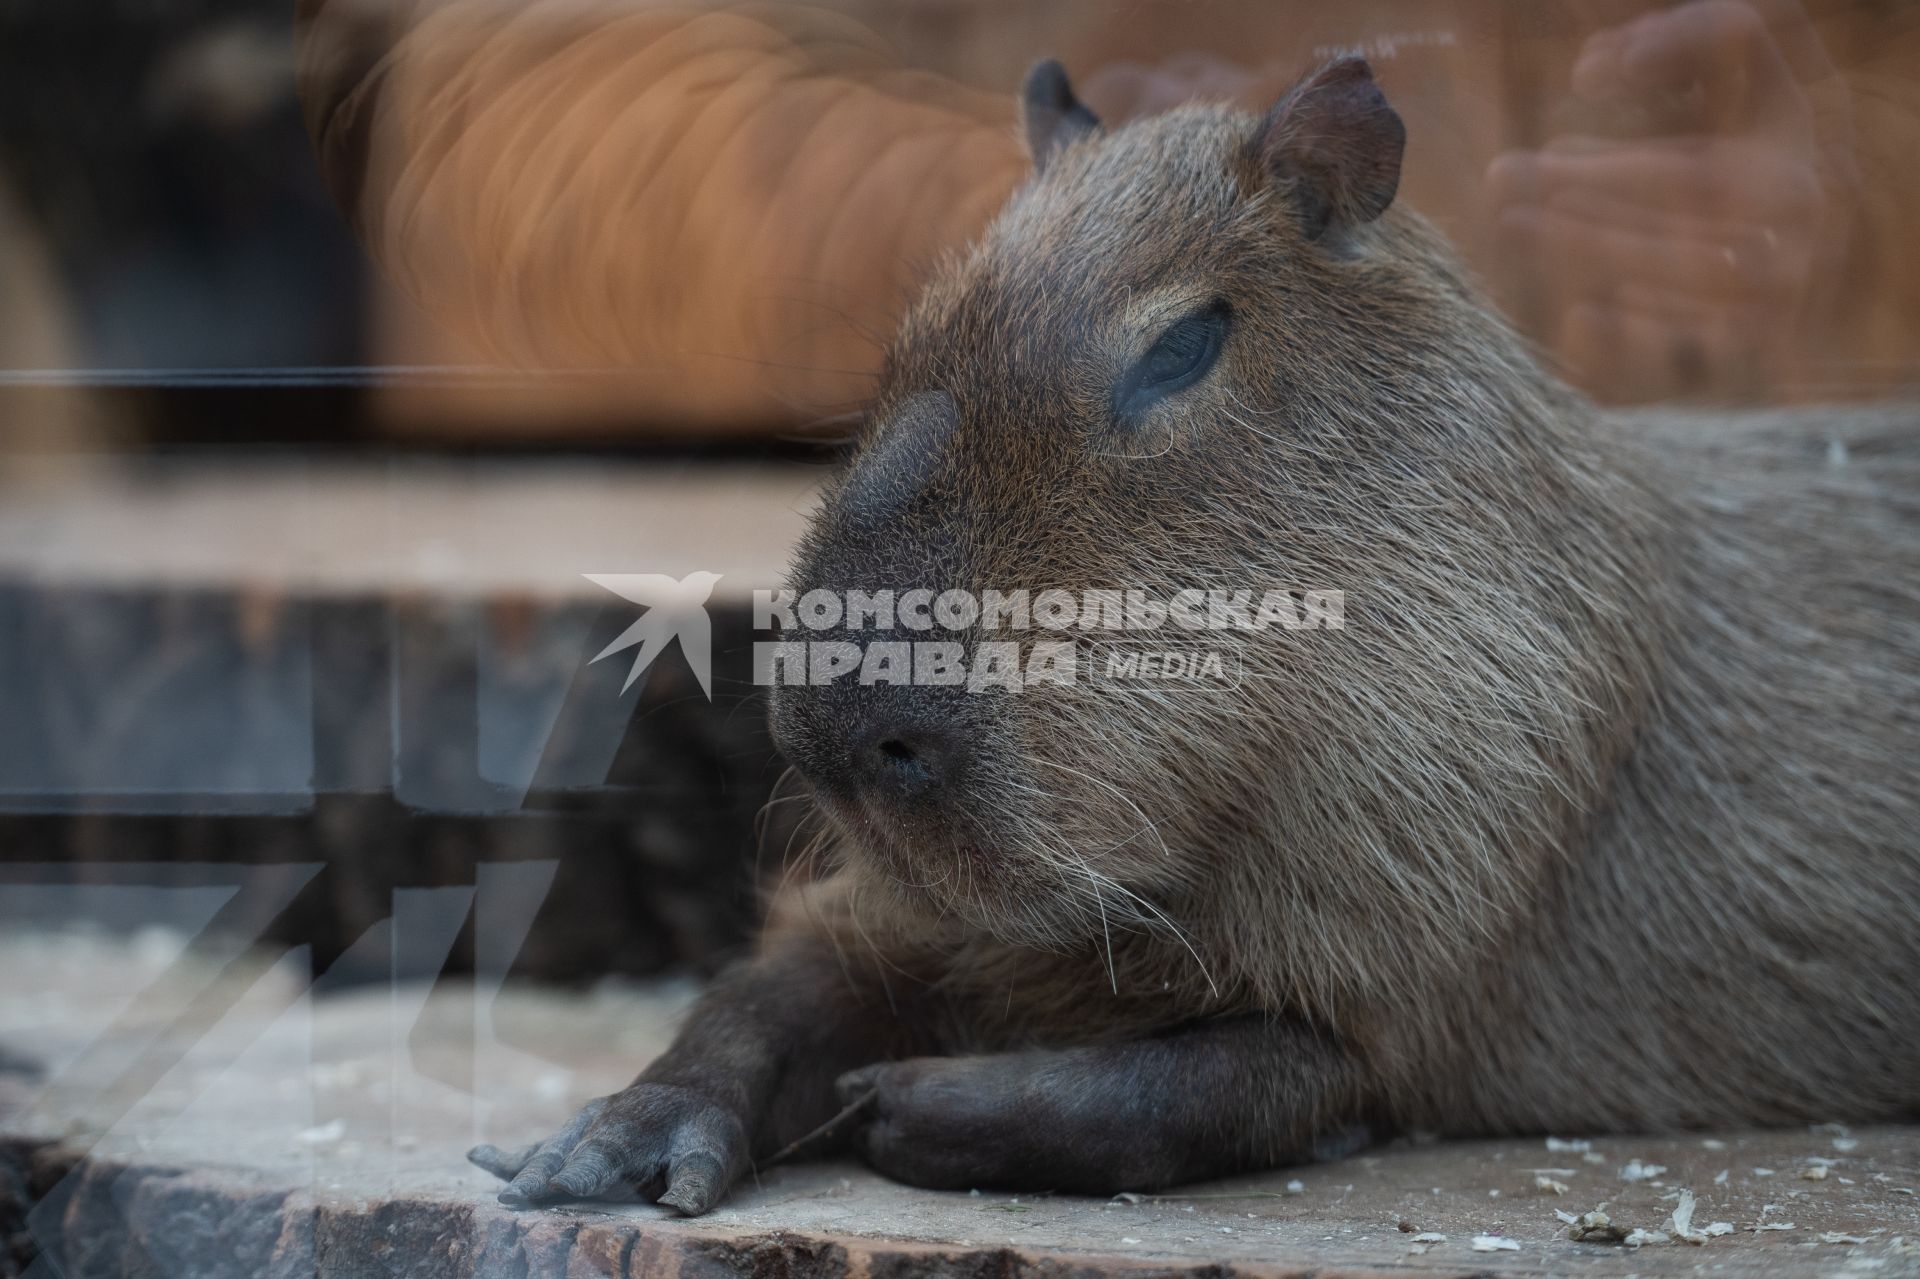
(1598, 813)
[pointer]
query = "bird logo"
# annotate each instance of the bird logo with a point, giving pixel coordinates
(676, 609)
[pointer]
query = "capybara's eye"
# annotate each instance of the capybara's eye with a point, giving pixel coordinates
(1179, 358)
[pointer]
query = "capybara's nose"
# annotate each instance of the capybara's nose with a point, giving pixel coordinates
(900, 758)
(889, 747)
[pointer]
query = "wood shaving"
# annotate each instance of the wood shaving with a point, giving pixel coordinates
(1550, 1185)
(1680, 1225)
(1681, 1222)
(322, 1134)
(1579, 1145)
(1429, 1236)
(1495, 1243)
(1773, 1225)
(1641, 1238)
(1814, 1172)
(1834, 1236)
(1637, 1171)
(1592, 1227)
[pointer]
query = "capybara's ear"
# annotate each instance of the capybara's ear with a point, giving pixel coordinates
(1050, 116)
(1335, 143)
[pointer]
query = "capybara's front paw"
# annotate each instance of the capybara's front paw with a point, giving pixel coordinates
(648, 1141)
(947, 1123)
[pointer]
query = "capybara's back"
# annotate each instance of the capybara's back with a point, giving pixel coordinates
(1734, 940)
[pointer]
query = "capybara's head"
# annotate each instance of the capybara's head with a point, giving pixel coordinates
(1202, 353)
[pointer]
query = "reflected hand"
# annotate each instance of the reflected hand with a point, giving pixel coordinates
(1668, 238)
